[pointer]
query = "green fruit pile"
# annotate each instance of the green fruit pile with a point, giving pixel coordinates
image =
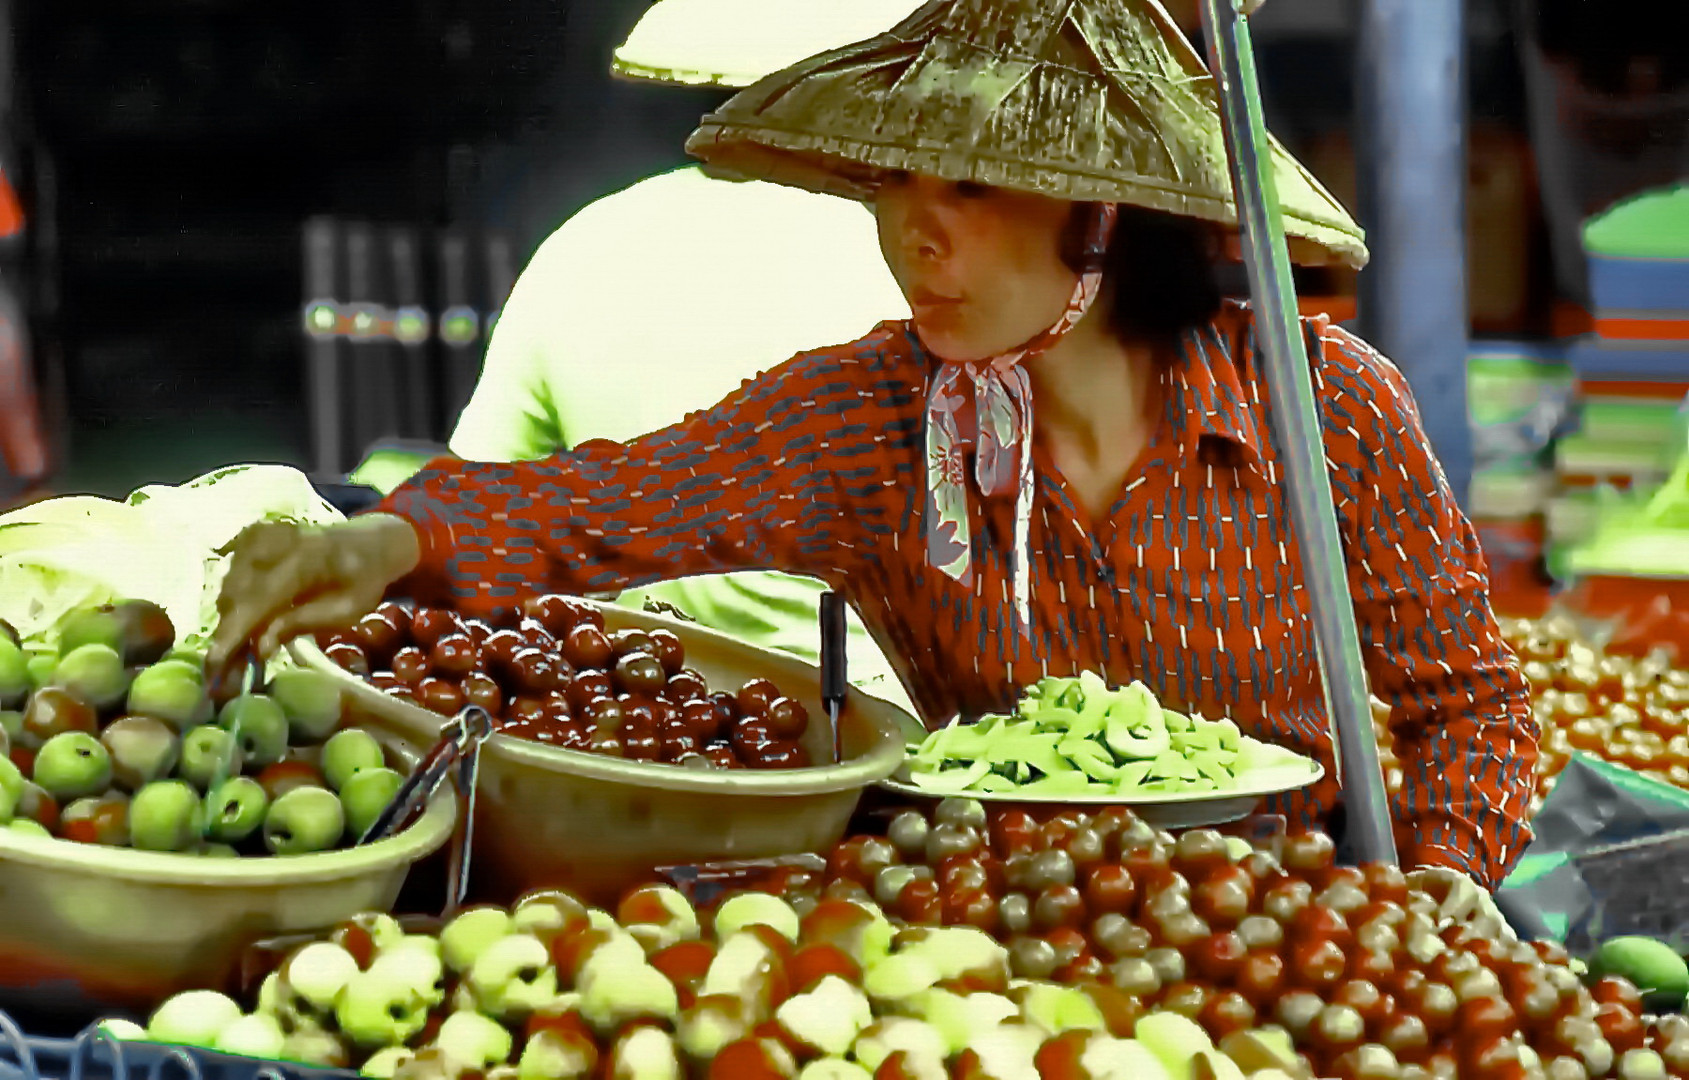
(553, 990)
(112, 738)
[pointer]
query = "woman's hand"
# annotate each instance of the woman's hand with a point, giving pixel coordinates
(1461, 901)
(287, 580)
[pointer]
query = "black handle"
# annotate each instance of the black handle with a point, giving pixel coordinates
(833, 675)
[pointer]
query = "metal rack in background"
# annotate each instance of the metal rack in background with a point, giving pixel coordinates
(395, 323)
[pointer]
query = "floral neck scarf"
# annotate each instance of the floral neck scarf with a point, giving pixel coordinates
(1000, 434)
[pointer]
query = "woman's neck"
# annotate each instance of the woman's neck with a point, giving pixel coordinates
(1091, 389)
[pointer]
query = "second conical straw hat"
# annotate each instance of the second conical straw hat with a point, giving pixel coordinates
(734, 43)
(1088, 100)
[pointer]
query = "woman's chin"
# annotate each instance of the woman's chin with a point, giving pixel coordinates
(942, 339)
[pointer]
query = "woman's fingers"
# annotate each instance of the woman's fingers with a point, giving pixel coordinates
(335, 609)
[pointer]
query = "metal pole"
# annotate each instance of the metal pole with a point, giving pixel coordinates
(1295, 416)
(1410, 142)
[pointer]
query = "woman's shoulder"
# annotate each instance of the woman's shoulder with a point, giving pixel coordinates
(1342, 361)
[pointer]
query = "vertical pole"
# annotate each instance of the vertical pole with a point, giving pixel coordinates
(1295, 416)
(1410, 139)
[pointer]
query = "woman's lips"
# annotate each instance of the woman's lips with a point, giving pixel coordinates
(926, 298)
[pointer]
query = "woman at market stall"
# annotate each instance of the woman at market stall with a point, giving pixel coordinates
(1050, 191)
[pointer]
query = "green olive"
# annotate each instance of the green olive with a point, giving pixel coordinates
(945, 841)
(1014, 911)
(1051, 868)
(1032, 958)
(890, 882)
(1169, 964)
(908, 833)
(967, 813)
(1119, 937)
(1136, 976)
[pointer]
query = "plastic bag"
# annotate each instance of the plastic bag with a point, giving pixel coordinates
(1611, 857)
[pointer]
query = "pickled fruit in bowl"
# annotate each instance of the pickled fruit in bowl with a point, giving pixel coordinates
(552, 674)
(551, 988)
(107, 753)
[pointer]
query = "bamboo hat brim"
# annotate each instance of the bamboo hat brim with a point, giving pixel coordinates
(734, 43)
(1086, 100)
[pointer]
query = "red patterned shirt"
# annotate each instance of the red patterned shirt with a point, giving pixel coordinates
(1191, 583)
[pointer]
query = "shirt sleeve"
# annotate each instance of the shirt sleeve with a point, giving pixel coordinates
(776, 477)
(1460, 707)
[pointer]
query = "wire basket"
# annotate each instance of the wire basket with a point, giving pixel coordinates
(1637, 887)
(96, 1055)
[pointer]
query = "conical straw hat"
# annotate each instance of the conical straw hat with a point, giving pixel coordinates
(734, 43)
(1089, 100)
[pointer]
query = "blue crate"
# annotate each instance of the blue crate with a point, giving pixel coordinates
(95, 1055)
(1591, 356)
(1658, 287)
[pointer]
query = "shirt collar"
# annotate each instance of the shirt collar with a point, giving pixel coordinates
(1215, 390)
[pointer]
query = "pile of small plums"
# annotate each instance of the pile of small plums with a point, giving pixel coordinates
(1629, 711)
(553, 674)
(1353, 962)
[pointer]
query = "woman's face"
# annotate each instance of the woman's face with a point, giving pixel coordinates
(981, 267)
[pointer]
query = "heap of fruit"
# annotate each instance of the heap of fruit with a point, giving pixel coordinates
(112, 738)
(1631, 712)
(554, 675)
(1078, 736)
(552, 990)
(1355, 964)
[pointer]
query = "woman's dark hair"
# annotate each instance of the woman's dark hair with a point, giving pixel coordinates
(1160, 269)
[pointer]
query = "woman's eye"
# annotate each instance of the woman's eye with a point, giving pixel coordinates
(967, 189)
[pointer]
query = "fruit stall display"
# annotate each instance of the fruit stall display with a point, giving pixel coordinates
(112, 738)
(553, 990)
(964, 945)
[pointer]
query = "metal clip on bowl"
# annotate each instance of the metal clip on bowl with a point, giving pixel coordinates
(834, 676)
(459, 752)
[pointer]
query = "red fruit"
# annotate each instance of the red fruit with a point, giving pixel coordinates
(1120, 1010)
(1317, 922)
(1086, 969)
(1218, 957)
(1069, 943)
(282, 777)
(860, 858)
(1186, 998)
(1225, 1013)
(1386, 882)
(1614, 990)
(970, 907)
(1225, 896)
(1317, 962)
(1151, 868)
(1261, 978)
(570, 950)
(1365, 998)
(685, 965)
(812, 963)
(1620, 1026)
(1060, 1057)
(1109, 887)
(1014, 832)
(919, 903)
(753, 1059)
